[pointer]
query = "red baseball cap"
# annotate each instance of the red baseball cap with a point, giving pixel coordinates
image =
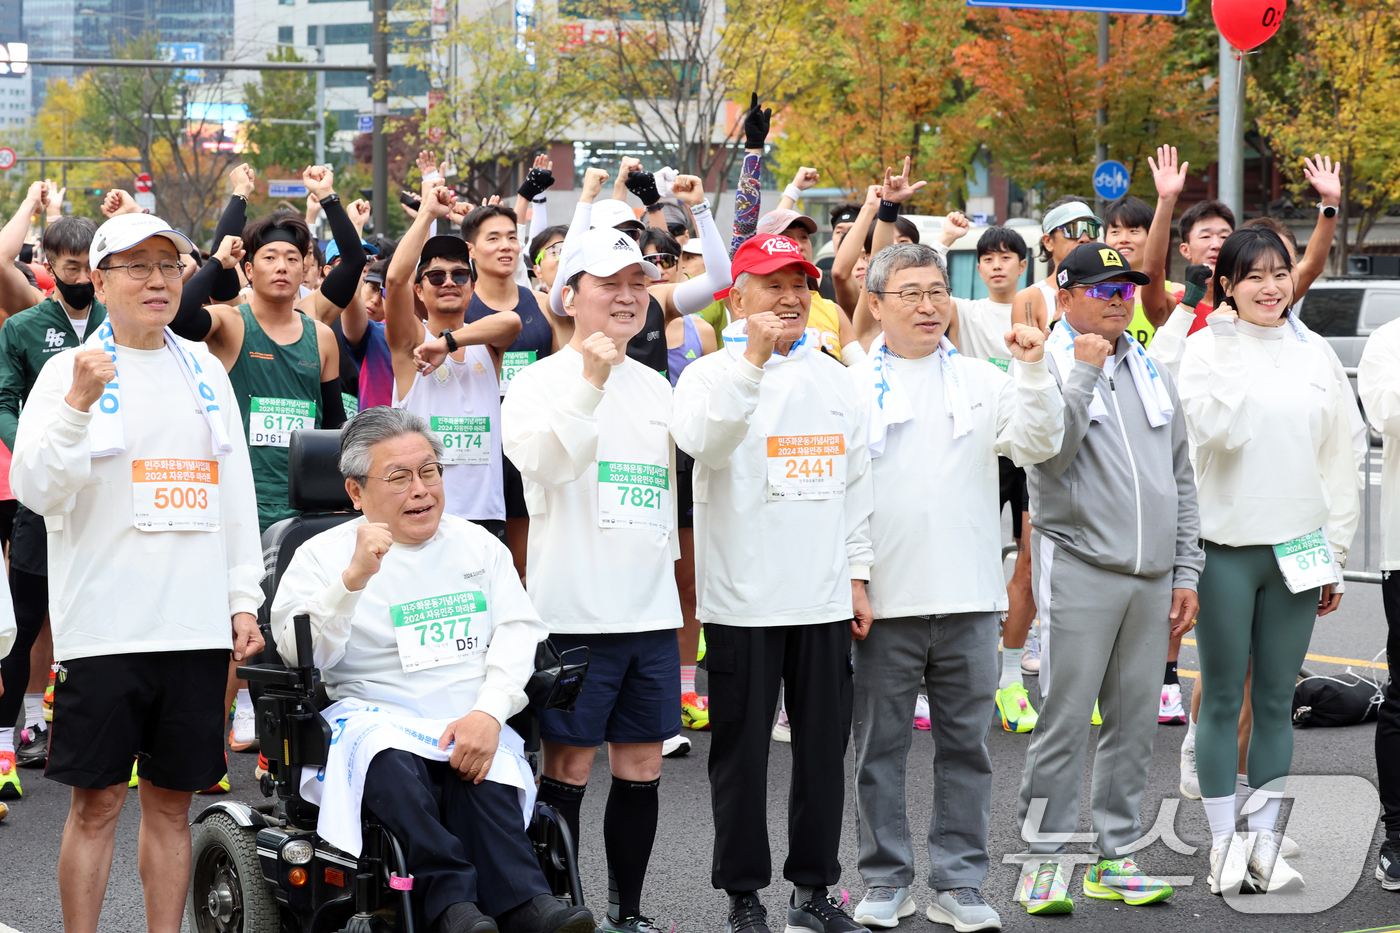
(769, 252)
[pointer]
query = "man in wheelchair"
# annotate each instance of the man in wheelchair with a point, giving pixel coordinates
(425, 640)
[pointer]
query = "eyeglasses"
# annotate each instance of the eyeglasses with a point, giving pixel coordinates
(913, 297)
(1106, 291)
(400, 480)
(141, 269)
(1078, 228)
(553, 251)
(438, 277)
(664, 260)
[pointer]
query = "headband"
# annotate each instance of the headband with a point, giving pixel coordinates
(280, 235)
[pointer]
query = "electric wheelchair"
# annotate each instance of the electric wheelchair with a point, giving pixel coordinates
(263, 869)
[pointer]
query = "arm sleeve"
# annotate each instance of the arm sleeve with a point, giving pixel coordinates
(1169, 342)
(239, 499)
(583, 217)
(697, 293)
(309, 586)
(52, 456)
(1030, 414)
(539, 219)
(339, 286)
(11, 386)
(1077, 392)
(711, 410)
(193, 321)
(551, 441)
(1190, 557)
(1213, 385)
(231, 223)
(860, 499)
(747, 201)
(332, 405)
(510, 658)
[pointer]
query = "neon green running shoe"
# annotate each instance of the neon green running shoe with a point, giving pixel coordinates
(132, 782)
(1096, 719)
(1014, 705)
(700, 654)
(1044, 891)
(9, 777)
(1121, 880)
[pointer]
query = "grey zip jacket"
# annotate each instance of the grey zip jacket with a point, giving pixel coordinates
(1120, 494)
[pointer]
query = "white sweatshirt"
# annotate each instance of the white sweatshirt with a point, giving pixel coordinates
(982, 327)
(762, 561)
(1273, 447)
(935, 520)
(8, 630)
(113, 588)
(1378, 380)
(460, 584)
(594, 457)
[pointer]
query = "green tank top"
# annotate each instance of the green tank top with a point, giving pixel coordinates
(279, 391)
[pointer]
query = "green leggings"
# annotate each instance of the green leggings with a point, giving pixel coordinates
(1247, 610)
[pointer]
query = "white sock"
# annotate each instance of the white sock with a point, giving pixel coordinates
(1010, 667)
(33, 709)
(243, 702)
(1190, 728)
(7, 740)
(1242, 794)
(1220, 812)
(1264, 815)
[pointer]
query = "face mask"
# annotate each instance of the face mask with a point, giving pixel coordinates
(77, 296)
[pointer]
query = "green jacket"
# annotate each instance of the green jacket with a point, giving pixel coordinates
(27, 341)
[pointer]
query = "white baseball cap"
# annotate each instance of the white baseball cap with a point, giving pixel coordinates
(124, 231)
(611, 212)
(605, 251)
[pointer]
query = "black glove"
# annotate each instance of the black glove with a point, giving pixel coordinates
(537, 181)
(1197, 281)
(643, 185)
(756, 123)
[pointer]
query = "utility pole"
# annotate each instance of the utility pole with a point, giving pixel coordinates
(1230, 164)
(320, 97)
(1101, 118)
(379, 204)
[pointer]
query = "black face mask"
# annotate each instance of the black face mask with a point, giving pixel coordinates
(77, 296)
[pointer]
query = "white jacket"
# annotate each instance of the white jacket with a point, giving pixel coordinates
(761, 561)
(935, 521)
(564, 435)
(1378, 380)
(115, 589)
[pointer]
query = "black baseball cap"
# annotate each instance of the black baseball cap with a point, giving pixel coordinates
(1092, 263)
(844, 214)
(444, 246)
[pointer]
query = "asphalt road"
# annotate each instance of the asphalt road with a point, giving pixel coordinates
(1336, 825)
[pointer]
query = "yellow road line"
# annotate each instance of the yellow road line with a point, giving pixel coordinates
(1325, 658)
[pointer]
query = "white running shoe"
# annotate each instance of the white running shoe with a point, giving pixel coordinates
(1229, 866)
(1268, 871)
(782, 729)
(244, 731)
(1289, 849)
(1170, 712)
(1190, 784)
(675, 747)
(1030, 658)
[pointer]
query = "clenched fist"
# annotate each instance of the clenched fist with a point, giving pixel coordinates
(1091, 349)
(1026, 343)
(372, 542)
(599, 354)
(92, 370)
(230, 252)
(765, 329)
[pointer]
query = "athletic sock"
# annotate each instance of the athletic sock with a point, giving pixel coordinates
(7, 739)
(1264, 816)
(1220, 812)
(1190, 727)
(33, 709)
(567, 799)
(243, 701)
(801, 894)
(1010, 667)
(1170, 676)
(1242, 795)
(629, 830)
(687, 678)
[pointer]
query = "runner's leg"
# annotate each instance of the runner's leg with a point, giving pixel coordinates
(85, 857)
(163, 855)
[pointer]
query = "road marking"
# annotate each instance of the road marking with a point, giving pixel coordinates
(5, 929)
(1325, 658)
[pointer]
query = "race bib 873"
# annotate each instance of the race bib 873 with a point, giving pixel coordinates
(441, 629)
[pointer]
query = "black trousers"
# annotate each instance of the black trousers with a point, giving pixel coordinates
(745, 666)
(1388, 717)
(462, 841)
(30, 594)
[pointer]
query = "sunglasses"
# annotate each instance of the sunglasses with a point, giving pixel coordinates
(437, 277)
(553, 251)
(663, 260)
(1078, 228)
(1106, 291)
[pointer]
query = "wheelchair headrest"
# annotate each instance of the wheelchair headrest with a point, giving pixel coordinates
(314, 483)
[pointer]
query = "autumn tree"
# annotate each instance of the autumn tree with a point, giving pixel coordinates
(282, 95)
(1345, 75)
(1036, 75)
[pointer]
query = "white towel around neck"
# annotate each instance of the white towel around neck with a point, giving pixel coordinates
(1151, 390)
(889, 403)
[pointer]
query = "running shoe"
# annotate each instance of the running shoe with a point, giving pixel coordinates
(9, 778)
(1121, 880)
(1268, 871)
(883, 907)
(4, 811)
(637, 924)
(132, 782)
(676, 746)
(964, 909)
(243, 734)
(922, 721)
(1229, 866)
(782, 729)
(262, 767)
(695, 711)
(222, 786)
(819, 914)
(1014, 705)
(1030, 657)
(1171, 712)
(1043, 889)
(747, 915)
(1095, 719)
(33, 751)
(1388, 865)
(1190, 786)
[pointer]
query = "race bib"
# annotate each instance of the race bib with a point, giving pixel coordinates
(464, 440)
(807, 466)
(175, 495)
(999, 363)
(441, 629)
(351, 403)
(634, 495)
(1306, 562)
(271, 421)
(512, 362)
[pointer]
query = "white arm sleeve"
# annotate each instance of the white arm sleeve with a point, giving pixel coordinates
(699, 293)
(583, 219)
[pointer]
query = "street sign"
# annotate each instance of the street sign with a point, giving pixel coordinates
(286, 188)
(1159, 7)
(366, 123)
(7, 158)
(143, 182)
(1111, 180)
(146, 201)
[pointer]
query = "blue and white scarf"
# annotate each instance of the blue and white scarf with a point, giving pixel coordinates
(1151, 390)
(736, 341)
(107, 433)
(889, 404)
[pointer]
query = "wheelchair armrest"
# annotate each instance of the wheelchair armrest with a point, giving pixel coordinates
(268, 674)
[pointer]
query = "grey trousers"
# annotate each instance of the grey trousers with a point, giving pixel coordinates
(1103, 635)
(956, 655)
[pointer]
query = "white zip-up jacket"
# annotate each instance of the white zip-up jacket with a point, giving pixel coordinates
(1273, 447)
(571, 442)
(763, 561)
(1378, 381)
(935, 522)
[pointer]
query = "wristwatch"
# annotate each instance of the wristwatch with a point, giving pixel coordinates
(1328, 210)
(451, 341)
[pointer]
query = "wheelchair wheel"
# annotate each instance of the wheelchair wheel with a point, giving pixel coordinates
(227, 891)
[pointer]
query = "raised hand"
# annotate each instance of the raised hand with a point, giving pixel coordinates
(599, 353)
(1026, 342)
(431, 178)
(955, 226)
(1091, 349)
(230, 252)
(242, 178)
(1166, 174)
(1325, 178)
(359, 211)
(898, 188)
(688, 189)
(372, 542)
(427, 164)
(756, 124)
(319, 180)
(437, 201)
(118, 201)
(765, 329)
(92, 370)
(593, 180)
(806, 177)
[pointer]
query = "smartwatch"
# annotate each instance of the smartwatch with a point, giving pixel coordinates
(1327, 210)
(451, 341)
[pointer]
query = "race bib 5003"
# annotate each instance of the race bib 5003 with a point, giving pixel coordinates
(175, 495)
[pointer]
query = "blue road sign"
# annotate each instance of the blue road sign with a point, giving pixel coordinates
(289, 188)
(1159, 7)
(1111, 180)
(366, 123)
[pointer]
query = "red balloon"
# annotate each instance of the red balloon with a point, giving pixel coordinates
(1247, 23)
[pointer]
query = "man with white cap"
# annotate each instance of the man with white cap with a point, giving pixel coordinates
(781, 479)
(1067, 223)
(588, 429)
(145, 486)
